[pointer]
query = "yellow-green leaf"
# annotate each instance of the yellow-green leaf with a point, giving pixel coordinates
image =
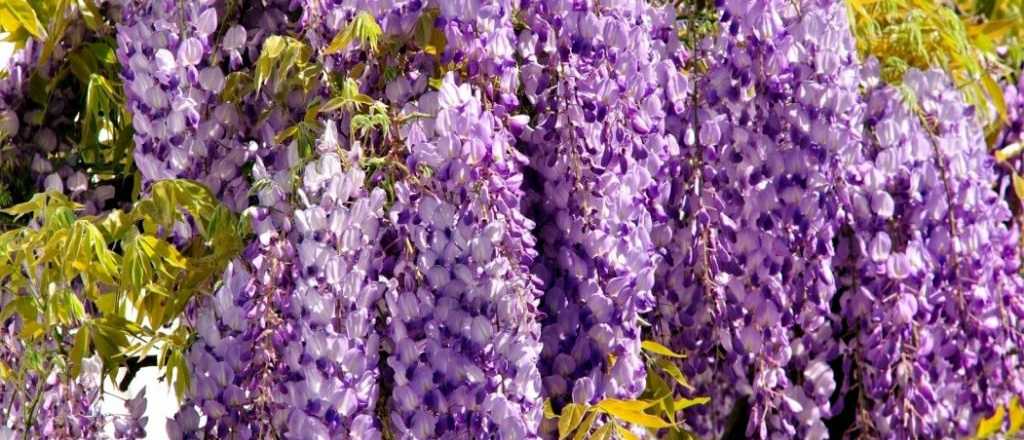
(627, 414)
(9, 23)
(1018, 186)
(26, 16)
(603, 432)
(572, 414)
(1009, 152)
(994, 29)
(625, 405)
(584, 428)
(79, 350)
(668, 405)
(996, 93)
(657, 348)
(90, 14)
(24, 306)
(363, 27)
(991, 425)
(340, 41)
(672, 370)
(656, 387)
(682, 404)
(34, 205)
(1016, 416)
(549, 411)
(273, 46)
(625, 433)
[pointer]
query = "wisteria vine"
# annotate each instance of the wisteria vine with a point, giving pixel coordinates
(507, 219)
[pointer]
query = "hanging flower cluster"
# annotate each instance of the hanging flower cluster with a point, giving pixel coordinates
(470, 217)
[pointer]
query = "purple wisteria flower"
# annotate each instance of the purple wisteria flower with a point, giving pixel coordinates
(748, 279)
(597, 138)
(173, 75)
(932, 282)
(461, 298)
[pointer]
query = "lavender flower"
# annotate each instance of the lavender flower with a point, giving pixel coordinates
(461, 298)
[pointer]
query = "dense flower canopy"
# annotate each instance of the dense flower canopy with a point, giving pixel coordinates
(532, 219)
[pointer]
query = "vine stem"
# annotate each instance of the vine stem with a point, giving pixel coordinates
(30, 416)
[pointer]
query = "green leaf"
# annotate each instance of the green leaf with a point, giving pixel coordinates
(572, 414)
(603, 432)
(38, 89)
(996, 93)
(1016, 416)
(625, 411)
(625, 405)
(178, 370)
(657, 348)
(24, 306)
(549, 411)
(83, 64)
(656, 387)
(673, 371)
(1018, 186)
(273, 46)
(9, 23)
(991, 425)
(681, 404)
(22, 11)
(91, 15)
(79, 350)
(363, 28)
(35, 205)
(429, 37)
(669, 407)
(286, 134)
(157, 249)
(103, 52)
(75, 310)
(236, 86)
(625, 433)
(1009, 152)
(984, 7)
(584, 428)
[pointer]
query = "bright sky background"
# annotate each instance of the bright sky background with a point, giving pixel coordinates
(161, 403)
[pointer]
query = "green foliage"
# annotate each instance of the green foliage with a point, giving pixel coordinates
(286, 66)
(363, 28)
(105, 129)
(655, 410)
(930, 34)
(286, 61)
(994, 424)
(17, 17)
(98, 122)
(123, 266)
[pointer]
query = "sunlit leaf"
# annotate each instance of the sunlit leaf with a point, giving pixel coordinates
(24, 306)
(625, 433)
(657, 348)
(603, 432)
(1018, 186)
(79, 350)
(625, 411)
(681, 404)
(571, 416)
(673, 371)
(584, 427)
(991, 425)
(363, 28)
(549, 411)
(1016, 416)
(22, 11)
